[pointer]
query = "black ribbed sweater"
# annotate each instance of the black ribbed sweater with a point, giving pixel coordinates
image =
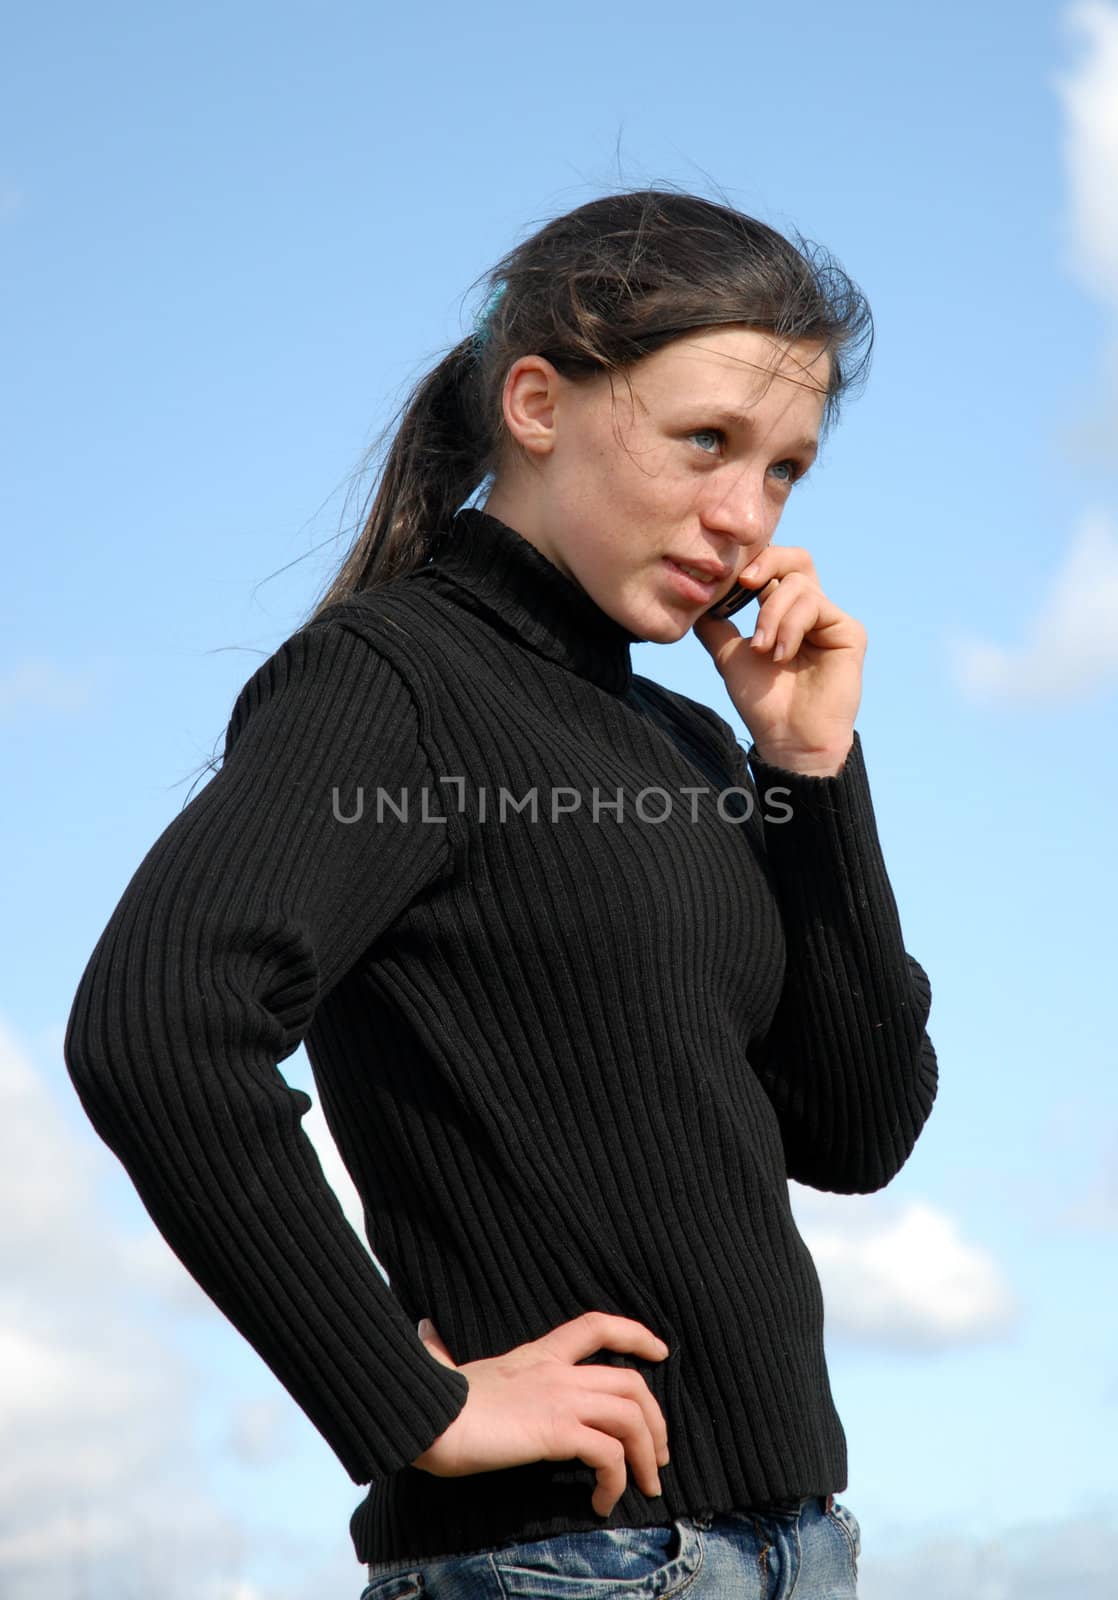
(570, 1059)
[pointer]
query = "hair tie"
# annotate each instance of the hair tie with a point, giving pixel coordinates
(485, 316)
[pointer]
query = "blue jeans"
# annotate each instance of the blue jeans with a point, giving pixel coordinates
(811, 1548)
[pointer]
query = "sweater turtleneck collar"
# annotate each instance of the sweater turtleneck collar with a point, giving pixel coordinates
(516, 583)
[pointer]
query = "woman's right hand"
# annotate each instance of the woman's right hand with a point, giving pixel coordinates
(534, 1404)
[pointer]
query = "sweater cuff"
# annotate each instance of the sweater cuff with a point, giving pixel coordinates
(845, 792)
(821, 832)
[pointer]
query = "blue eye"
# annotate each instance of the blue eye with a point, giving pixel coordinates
(795, 472)
(715, 433)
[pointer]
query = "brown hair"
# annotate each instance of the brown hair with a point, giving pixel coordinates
(594, 291)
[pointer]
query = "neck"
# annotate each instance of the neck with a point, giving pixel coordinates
(502, 574)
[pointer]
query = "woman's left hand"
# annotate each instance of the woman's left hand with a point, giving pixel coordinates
(800, 708)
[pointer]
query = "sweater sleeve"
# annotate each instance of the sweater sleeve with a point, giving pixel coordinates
(847, 1062)
(246, 911)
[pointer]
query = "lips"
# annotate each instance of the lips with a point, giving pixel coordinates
(696, 591)
(704, 570)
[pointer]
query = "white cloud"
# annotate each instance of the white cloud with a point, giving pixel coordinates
(93, 1383)
(1090, 101)
(232, 1589)
(257, 1431)
(901, 1275)
(1037, 1559)
(1071, 647)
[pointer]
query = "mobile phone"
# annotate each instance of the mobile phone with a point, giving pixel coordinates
(731, 602)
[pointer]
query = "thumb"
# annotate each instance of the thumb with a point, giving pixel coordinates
(715, 632)
(434, 1343)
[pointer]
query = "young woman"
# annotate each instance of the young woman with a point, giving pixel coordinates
(582, 983)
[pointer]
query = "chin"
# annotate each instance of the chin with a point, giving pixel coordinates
(666, 631)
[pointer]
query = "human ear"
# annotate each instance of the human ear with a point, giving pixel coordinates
(528, 402)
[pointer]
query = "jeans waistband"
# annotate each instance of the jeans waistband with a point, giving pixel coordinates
(795, 1504)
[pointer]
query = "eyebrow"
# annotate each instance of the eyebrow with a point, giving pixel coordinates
(722, 414)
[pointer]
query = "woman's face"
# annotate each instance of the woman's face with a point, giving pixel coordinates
(696, 469)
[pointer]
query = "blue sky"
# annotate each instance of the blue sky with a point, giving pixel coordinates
(232, 238)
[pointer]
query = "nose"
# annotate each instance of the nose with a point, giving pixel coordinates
(740, 510)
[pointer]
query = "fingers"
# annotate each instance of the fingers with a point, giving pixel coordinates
(621, 1437)
(780, 574)
(631, 1386)
(792, 605)
(618, 1401)
(536, 1402)
(599, 1330)
(777, 561)
(625, 1421)
(787, 614)
(607, 1457)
